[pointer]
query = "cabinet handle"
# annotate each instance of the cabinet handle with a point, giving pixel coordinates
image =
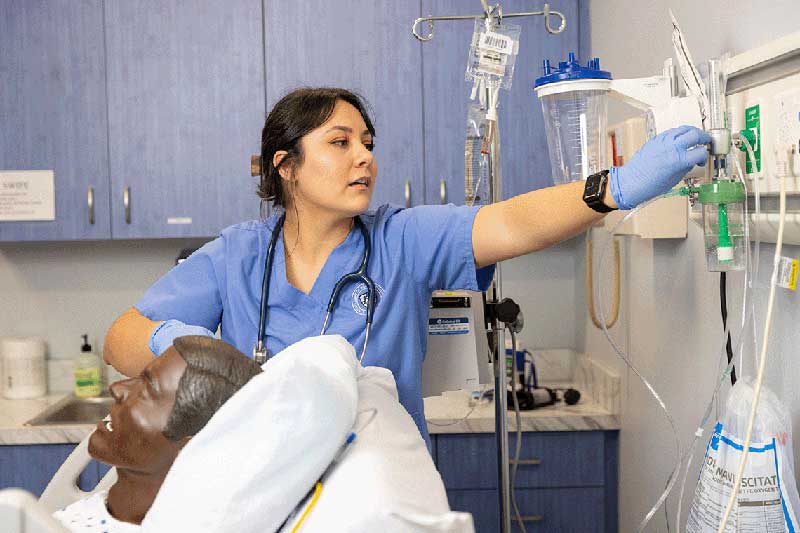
(443, 191)
(126, 202)
(408, 193)
(530, 518)
(90, 204)
(526, 462)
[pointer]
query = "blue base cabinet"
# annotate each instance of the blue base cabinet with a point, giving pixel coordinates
(32, 466)
(566, 481)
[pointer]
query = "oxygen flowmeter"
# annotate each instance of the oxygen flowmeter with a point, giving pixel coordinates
(722, 203)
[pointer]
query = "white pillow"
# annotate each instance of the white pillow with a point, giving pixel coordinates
(266, 447)
(386, 481)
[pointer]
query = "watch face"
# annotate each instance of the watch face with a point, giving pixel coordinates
(592, 189)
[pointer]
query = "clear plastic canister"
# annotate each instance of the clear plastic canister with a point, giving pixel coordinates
(575, 124)
(724, 236)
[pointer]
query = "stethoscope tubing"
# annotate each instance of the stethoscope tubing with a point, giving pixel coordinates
(259, 350)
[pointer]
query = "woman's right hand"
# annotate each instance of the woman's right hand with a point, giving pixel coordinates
(127, 342)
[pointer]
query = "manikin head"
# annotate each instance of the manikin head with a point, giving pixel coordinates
(156, 413)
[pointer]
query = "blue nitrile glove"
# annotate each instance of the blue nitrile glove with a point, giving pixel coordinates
(658, 165)
(169, 330)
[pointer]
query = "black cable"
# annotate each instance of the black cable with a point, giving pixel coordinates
(723, 300)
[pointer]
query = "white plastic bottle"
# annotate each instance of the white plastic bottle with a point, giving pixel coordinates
(88, 380)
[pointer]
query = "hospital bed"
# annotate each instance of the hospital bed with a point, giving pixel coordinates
(385, 481)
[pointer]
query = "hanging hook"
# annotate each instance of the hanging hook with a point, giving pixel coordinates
(430, 29)
(547, 13)
(489, 12)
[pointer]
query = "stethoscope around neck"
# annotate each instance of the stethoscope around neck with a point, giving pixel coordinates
(260, 352)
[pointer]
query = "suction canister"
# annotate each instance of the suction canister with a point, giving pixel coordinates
(575, 107)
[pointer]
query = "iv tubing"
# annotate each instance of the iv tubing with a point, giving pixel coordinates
(673, 475)
(672, 479)
(518, 445)
(762, 362)
(757, 238)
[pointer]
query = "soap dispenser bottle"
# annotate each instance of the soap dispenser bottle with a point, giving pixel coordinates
(88, 382)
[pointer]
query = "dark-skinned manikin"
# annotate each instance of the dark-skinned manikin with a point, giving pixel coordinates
(156, 413)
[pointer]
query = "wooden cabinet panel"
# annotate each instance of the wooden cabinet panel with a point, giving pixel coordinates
(367, 47)
(186, 108)
(53, 111)
(568, 510)
(567, 459)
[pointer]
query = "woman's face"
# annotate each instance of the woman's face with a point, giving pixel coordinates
(338, 170)
(142, 407)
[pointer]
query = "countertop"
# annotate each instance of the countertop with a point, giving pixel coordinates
(445, 414)
(448, 414)
(14, 414)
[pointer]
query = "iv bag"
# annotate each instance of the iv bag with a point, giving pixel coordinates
(768, 500)
(492, 54)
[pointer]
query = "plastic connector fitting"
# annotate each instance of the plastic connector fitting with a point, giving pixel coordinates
(751, 138)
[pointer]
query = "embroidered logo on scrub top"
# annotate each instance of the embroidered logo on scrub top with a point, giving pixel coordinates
(360, 295)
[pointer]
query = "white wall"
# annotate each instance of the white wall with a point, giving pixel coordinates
(671, 318)
(60, 290)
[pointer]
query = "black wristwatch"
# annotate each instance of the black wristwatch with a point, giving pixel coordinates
(595, 191)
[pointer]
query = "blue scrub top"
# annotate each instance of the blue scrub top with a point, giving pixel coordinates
(414, 252)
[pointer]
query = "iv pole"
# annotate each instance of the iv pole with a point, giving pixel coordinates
(496, 331)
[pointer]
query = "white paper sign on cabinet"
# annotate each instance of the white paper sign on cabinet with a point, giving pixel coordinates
(27, 195)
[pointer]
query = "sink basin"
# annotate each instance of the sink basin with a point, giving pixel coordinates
(74, 410)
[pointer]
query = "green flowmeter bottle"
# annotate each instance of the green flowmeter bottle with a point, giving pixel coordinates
(722, 202)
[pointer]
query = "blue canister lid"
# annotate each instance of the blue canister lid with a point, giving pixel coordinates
(571, 70)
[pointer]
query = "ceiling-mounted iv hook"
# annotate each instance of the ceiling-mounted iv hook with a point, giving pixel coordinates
(560, 15)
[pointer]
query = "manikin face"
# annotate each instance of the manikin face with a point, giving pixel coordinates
(143, 404)
(338, 171)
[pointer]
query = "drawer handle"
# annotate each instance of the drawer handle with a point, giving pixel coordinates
(408, 193)
(90, 203)
(126, 202)
(525, 462)
(530, 518)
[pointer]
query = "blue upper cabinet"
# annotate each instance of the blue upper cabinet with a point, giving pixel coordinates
(185, 108)
(525, 160)
(53, 113)
(365, 46)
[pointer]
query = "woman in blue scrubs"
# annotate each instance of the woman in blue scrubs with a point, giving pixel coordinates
(318, 166)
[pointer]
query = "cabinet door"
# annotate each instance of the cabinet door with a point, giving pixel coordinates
(31, 467)
(525, 162)
(53, 112)
(367, 47)
(186, 108)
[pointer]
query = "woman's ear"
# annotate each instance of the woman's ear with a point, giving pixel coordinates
(277, 159)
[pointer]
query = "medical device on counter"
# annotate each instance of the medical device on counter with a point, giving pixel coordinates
(458, 348)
